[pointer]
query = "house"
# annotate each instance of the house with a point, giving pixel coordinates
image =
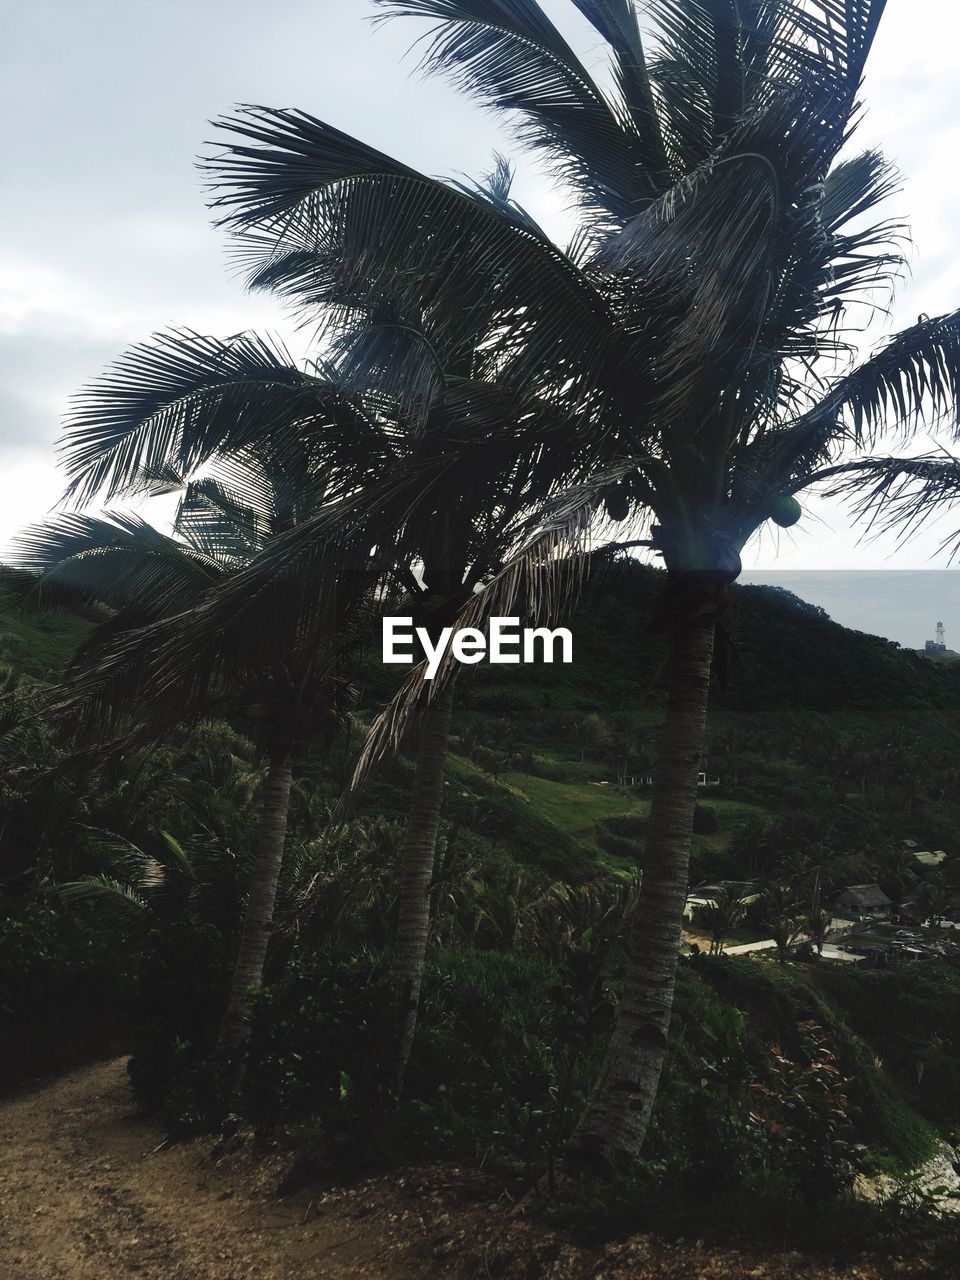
(648, 779)
(706, 895)
(929, 859)
(861, 901)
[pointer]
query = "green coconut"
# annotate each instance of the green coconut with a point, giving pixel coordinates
(617, 503)
(785, 510)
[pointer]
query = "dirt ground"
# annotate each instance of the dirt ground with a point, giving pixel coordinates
(89, 1191)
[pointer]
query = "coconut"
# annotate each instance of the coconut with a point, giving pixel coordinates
(617, 503)
(785, 510)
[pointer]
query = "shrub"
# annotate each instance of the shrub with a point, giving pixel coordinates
(705, 820)
(185, 973)
(63, 997)
(622, 835)
(803, 1111)
(506, 1047)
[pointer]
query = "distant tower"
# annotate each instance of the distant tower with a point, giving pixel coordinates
(939, 645)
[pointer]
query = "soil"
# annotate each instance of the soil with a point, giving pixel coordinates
(91, 1191)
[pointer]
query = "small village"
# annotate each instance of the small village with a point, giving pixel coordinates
(860, 924)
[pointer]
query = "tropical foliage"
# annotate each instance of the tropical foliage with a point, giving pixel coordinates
(490, 418)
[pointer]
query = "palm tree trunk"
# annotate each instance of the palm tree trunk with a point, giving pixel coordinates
(419, 854)
(258, 917)
(615, 1122)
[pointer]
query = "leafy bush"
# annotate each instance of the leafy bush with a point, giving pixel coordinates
(506, 1047)
(315, 1044)
(184, 977)
(622, 835)
(63, 997)
(803, 1111)
(705, 820)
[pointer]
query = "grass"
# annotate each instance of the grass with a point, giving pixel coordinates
(575, 806)
(40, 645)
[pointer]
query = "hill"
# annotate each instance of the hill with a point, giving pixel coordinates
(938, 655)
(822, 741)
(833, 731)
(39, 645)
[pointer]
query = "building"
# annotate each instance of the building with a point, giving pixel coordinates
(938, 645)
(929, 859)
(648, 779)
(707, 895)
(863, 901)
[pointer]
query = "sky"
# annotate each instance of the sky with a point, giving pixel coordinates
(105, 236)
(902, 604)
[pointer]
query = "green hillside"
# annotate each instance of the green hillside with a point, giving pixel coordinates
(945, 655)
(825, 742)
(40, 645)
(831, 731)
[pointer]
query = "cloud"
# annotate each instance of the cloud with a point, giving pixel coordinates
(29, 486)
(105, 105)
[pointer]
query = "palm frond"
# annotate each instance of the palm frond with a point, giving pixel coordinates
(266, 642)
(913, 381)
(176, 400)
(117, 903)
(356, 238)
(707, 70)
(856, 186)
(616, 21)
(540, 582)
(510, 56)
(832, 38)
(117, 559)
(901, 494)
(220, 522)
(141, 871)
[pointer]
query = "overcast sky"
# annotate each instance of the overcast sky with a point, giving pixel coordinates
(106, 238)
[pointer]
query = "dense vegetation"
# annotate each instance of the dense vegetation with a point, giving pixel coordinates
(533, 883)
(379, 920)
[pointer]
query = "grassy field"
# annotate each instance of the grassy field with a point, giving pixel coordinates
(576, 806)
(40, 645)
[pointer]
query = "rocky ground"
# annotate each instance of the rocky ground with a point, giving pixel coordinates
(90, 1191)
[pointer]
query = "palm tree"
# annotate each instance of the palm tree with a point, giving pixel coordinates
(783, 917)
(722, 917)
(692, 331)
(930, 900)
(816, 925)
(150, 654)
(896, 870)
(411, 474)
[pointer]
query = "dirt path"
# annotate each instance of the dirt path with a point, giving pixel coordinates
(89, 1191)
